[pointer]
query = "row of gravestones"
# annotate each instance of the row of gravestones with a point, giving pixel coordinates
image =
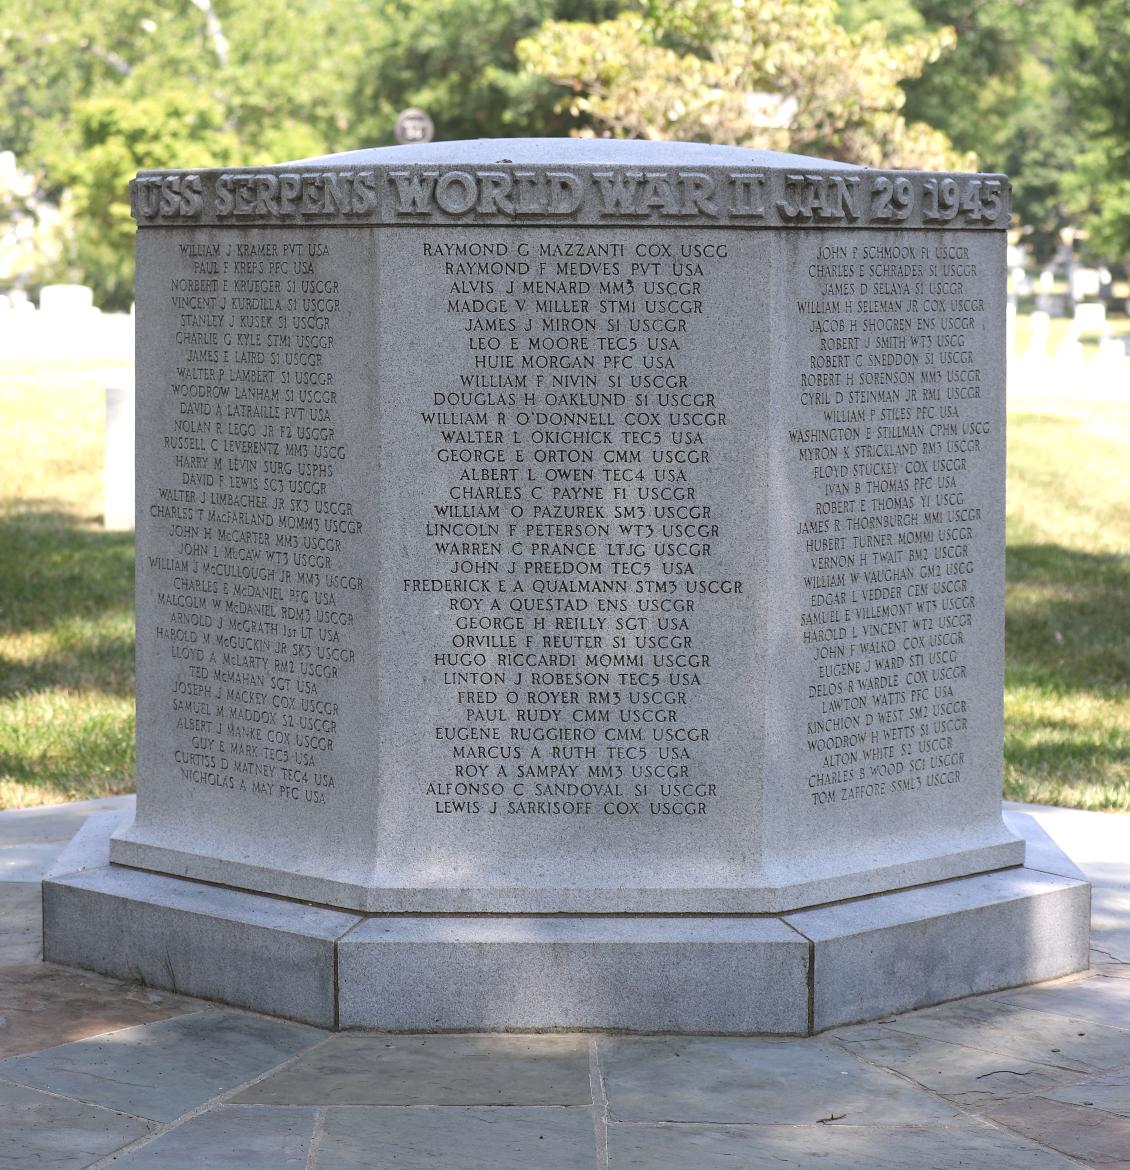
(1089, 320)
(66, 324)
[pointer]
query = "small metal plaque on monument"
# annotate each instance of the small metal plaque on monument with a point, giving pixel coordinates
(570, 592)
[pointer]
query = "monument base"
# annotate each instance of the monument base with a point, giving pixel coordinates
(790, 974)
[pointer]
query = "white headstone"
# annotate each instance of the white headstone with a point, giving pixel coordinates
(66, 300)
(1090, 318)
(1085, 282)
(118, 507)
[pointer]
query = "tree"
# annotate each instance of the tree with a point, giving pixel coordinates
(89, 94)
(1099, 85)
(455, 59)
(115, 139)
(1000, 92)
(776, 74)
(93, 93)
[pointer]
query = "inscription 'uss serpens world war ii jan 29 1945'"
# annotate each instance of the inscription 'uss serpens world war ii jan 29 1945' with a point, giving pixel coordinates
(493, 561)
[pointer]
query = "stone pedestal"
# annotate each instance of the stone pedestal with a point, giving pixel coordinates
(792, 974)
(577, 568)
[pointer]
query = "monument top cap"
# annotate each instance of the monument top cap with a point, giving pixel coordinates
(572, 151)
(594, 181)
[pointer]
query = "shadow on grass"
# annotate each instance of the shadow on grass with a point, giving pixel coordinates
(66, 591)
(1067, 736)
(1067, 620)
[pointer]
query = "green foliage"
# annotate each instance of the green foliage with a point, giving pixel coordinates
(91, 93)
(1001, 94)
(1099, 82)
(775, 74)
(112, 140)
(460, 70)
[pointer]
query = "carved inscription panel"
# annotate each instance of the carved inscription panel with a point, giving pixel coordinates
(571, 546)
(485, 558)
(254, 599)
(890, 447)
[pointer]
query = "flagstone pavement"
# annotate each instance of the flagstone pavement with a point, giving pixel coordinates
(96, 1073)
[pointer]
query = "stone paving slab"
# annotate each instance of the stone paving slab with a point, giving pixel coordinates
(433, 1070)
(427, 1138)
(41, 1006)
(1110, 921)
(21, 923)
(966, 1076)
(28, 862)
(162, 1070)
(1110, 1092)
(1096, 842)
(793, 1082)
(1091, 1135)
(41, 1129)
(113, 1076)
(230, 1137)
(54, 822)
(959, 1145)
(1019, 1032)
(1099, 999)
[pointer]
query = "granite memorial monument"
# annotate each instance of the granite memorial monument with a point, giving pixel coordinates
(570, 594)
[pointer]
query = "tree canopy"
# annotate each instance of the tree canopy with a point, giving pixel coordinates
(775, 74)
(89, 94)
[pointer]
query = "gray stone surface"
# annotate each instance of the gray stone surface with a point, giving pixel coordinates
(480, 1139)
(955, 1146)
(632, 974)
(41, 1129)
(942, 942)
(57, 822)
(89, 848)
(1110, 1092)
(569, 603)
(963, 1074)
(230, 1137)
(1110, 917)
(1093, 1136)
(21, 924)
(1040, 849)
(1095, 841)
(513, 973)
(360, 687)
(728, 1080)
(1019, 1032)
(27, 863)
(1100, 999)
(131, 1070)
(243, 949)
(432, 1070)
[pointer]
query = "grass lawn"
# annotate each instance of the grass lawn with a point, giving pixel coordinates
(1067, 681)
(66, 597)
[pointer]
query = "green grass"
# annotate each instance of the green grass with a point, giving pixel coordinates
(1067, 680)
(66, 595)
(66, 611)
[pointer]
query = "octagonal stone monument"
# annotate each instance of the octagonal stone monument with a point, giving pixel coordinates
(570, 594)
